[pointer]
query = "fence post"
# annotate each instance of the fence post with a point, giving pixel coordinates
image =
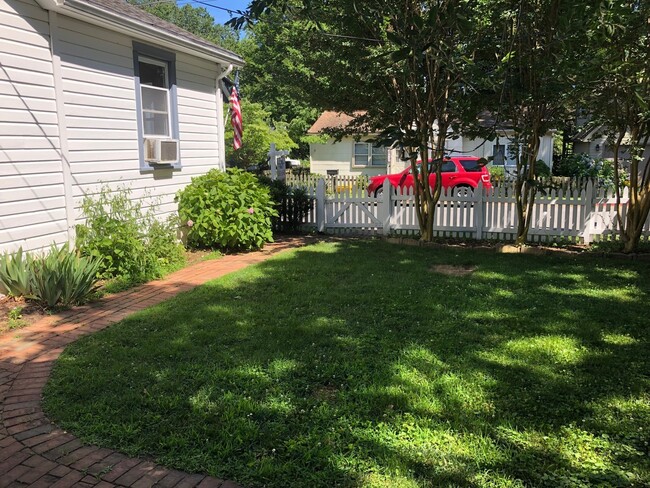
(478, 209)
(588, 212)
(385, 205)
(320, 205)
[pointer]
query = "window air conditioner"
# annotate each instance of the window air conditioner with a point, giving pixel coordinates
(160, 151)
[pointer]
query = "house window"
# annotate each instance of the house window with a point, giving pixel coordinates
(504, 155)
(366, 154)
(154, 93)
(157, 112)
(499, 154)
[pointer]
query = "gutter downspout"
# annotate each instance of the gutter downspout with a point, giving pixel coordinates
(221, 130)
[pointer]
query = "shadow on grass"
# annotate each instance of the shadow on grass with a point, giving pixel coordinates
(353, 365)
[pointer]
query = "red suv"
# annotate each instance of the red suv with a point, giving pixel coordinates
(462, 174)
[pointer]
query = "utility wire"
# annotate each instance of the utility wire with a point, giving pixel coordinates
(239, 12)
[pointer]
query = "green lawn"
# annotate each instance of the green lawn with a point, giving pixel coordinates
(356, 364)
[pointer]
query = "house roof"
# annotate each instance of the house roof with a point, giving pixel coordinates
(331, 120)
(124, 16)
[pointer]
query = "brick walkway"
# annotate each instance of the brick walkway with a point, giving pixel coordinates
(33, 451)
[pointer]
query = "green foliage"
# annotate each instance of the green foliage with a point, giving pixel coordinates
(63, 277)
(228, 210)
(16, 274)
(497, 174)
(60, 277)
(292, 204)
(15, 318)
(15, 313)
(128, 237)
(258, 137)
(584, 166)
(274, 56)
(196, 20)
(542, 169)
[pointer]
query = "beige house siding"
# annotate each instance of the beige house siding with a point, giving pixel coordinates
(32, 199)
(340, 156)
(93, 76)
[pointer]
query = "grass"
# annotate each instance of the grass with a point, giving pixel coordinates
(357, 364)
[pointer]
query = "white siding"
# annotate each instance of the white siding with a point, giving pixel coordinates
(98, 120)
(338, 156)
(32, 203)
(484, 149)
(100, 107)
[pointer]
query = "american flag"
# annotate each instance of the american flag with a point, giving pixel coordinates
(235, 117)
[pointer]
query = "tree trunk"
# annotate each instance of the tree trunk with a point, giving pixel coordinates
(525, 188)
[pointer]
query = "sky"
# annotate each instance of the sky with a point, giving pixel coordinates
(220, 16)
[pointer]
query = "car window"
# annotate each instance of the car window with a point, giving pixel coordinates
(448, 167)
(471, 165)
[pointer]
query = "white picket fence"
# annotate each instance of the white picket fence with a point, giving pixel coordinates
(581, 213)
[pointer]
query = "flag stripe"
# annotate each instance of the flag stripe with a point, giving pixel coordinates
(236, 119)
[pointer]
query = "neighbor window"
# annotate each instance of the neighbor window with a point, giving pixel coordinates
(155, 81)
(504, 154)
(366, 154)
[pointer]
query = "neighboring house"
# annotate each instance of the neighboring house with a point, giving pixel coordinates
(99, 92)
(351, 157)
(592, 140)
(348, 156)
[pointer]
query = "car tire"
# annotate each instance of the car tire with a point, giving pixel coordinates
(463, 191)
(379, 192)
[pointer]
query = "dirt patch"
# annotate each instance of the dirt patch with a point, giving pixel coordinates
(453, 270)
(196, 255)
(326, 393)
(16, 313)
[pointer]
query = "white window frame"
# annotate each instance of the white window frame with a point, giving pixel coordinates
(167, 59)
(166, 89)
(370, 158)
(507, 160)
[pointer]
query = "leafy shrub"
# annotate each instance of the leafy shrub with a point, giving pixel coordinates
(584, 166)
(292, 205)
(229, 210)
(63, 277)
(541, 169)
(497, 174)
(60, 277)
(132, 242)
(16, 274)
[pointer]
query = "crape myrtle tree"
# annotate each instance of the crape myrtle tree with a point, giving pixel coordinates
(619, 99)
(537, 46)
(401, 67)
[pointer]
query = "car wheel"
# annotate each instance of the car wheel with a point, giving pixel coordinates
(379, 191)
(463, 191)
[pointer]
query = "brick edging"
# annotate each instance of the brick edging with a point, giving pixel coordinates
(36, 453)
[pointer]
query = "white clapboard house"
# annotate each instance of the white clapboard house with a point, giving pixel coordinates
(98, 92)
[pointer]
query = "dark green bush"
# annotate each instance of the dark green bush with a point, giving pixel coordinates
(584, 166)
(541, 169)
(228, 210)
(133, 244)
(292, 205)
